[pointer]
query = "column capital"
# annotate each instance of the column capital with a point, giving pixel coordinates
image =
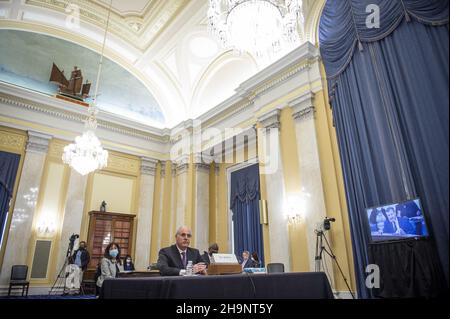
(38, 142)
(163, 169)
(303, 107)
(271, 119)
(148, 166)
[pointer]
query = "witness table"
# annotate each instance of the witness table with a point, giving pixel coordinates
(313, 285)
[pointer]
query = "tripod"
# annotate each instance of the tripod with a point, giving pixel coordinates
(320, 248)
(58, 285)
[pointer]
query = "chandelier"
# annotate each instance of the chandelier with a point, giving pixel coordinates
(260, 27)
(86, 154)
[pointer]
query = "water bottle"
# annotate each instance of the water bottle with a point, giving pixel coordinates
(189, 269)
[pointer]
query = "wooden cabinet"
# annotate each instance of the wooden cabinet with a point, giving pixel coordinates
(106, 227)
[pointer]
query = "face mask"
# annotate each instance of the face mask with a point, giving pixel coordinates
(113, 253)
(128, 261)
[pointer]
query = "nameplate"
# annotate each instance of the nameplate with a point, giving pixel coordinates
(225, 259)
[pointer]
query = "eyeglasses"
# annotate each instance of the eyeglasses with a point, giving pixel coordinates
(185, 235)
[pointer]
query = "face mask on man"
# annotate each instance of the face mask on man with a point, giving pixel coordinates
(113, 253)
(128, 261)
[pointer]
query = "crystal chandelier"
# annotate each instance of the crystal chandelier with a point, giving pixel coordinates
(86, 154)
(260, 27)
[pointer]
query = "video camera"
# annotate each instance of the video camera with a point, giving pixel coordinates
(72, 243)
(327, 222)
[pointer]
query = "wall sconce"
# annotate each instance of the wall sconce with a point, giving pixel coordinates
(294, 209)
(46, 226)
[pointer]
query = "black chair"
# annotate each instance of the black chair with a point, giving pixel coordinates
(19, 278)
(275, 268)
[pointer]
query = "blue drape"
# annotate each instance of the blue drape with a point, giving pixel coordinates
(389, 94)
(9, 164)
(244, 203)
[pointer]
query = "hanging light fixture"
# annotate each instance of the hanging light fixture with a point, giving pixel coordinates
(86, 154)
(260, 27)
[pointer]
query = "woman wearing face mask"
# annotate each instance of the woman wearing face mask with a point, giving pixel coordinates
(110, 263)
(128, 264)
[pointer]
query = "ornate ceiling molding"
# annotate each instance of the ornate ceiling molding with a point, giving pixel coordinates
(139, 30)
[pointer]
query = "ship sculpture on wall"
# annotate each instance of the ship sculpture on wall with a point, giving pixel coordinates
(73, 88)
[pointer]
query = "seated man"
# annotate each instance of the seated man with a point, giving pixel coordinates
(172, 261)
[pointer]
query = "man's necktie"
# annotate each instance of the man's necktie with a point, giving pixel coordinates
(183, 255)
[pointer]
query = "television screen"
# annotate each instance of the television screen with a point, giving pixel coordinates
(397, 221)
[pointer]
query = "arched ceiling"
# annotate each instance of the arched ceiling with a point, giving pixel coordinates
(164, 44)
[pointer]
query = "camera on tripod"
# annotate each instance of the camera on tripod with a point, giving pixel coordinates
(72, 243)
(327, 222)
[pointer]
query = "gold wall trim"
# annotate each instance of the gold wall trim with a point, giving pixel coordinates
(12, 142)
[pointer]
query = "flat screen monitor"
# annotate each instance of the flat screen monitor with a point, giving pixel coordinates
(397, 221)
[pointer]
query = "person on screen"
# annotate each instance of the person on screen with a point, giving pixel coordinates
(408, 209)
(172, 261)
(397, 225)
(377, 219)
(110, 263)
(207, 256)
(128, 264)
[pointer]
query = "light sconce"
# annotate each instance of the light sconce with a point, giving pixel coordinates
(46, 226)
(294, 209)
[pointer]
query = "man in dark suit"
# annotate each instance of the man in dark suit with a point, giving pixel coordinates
(213, 249)
(247, 262)
(172, 261)
(397, 225)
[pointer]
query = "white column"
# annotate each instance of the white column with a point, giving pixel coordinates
(173, 199)
(145, 210)
(182, 179)
(73, 213)
(310, 173)
(202, 168)
(272, 167)
(20, 229)
(161, 204)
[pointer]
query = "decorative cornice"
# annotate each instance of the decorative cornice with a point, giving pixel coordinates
(271, 119)
(148, 166)
(75, 117)
(303, 107)
(38, 142)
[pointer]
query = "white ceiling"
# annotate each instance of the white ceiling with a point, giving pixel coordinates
(163, 43)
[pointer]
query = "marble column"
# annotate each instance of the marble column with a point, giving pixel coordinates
(272, 167)
(145, 210)
(182, 180)
(161, 205)
(20, 229)
(73, 213)
(201, 171)
(173, 202)
(310, 173)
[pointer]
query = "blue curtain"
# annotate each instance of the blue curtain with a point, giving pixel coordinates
(389, 93)
(9, 164)
(245, 195)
